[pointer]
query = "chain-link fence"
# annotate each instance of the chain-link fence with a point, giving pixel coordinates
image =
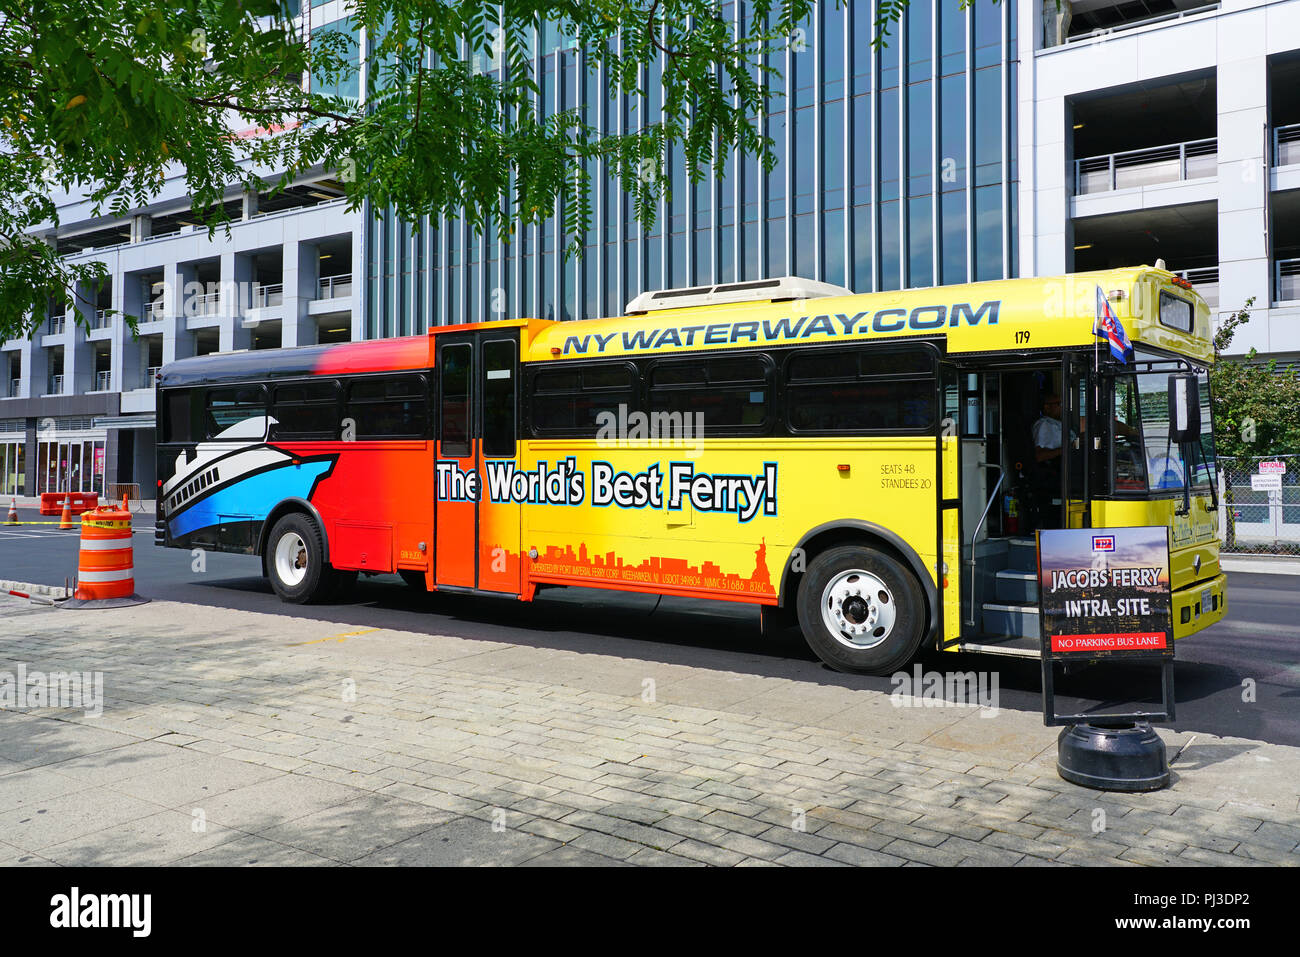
(1259, 504)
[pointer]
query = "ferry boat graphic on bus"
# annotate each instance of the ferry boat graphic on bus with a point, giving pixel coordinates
(224, 487)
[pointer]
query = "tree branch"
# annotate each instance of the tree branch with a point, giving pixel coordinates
(271, 110)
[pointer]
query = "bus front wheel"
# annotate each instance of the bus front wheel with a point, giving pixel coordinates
(295, 559)
(861, 611)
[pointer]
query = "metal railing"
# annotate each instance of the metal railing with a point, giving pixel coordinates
(266, 296)
(103, 381)
(1206, 281)
(1195, 159)
(15, 386)
(157, 309)
(148, 377)
(1286, 145)
(101, 319)
(208, 305)
(1133, 25)
(55, 385)
(335, 287)
(1286, 280)
(58, 324)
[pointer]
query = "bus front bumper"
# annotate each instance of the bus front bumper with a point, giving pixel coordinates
(1199, 606)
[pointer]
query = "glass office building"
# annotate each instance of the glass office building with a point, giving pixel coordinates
(896, 168)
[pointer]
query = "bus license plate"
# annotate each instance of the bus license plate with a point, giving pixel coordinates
(1207, 601)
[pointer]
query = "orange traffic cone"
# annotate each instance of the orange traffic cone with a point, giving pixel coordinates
(65, 520)
(13, 512)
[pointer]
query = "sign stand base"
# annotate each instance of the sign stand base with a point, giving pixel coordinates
(1120, 756)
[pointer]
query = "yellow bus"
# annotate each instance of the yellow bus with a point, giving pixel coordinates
(869, 467)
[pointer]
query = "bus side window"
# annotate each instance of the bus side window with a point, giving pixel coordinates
(235, 408)
(499, 398)
(721, 394)
(388, 407)
(861, 391)
(454, 401)
(574, 401)
(178, 425)
(306, 410)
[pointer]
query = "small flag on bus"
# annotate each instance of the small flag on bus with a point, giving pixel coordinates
(1111, 329)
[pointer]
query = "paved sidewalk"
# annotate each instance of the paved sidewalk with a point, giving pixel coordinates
(231, 737)
(1260, 564)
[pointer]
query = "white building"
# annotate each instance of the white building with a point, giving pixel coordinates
(1168, 129)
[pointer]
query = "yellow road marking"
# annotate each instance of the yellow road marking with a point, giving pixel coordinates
(343, 637)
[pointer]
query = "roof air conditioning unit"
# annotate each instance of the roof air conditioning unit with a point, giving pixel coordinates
(762, 290)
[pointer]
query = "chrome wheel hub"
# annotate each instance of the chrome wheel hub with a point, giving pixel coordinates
(858, 609)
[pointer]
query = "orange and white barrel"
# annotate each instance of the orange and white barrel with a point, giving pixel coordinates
(106, 568)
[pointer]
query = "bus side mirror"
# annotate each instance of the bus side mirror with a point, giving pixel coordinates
(1184, 409)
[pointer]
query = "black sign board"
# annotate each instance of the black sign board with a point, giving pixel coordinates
(1104, 594)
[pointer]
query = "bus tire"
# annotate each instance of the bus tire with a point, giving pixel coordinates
(861, 611)
(295, 560)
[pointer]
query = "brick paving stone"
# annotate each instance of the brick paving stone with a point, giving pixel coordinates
(1261, 813)
(1023, 845)
(796, 840)
(918, 835)
(545, 827)
(844, 834)
(1081, 858)
(803, 859)
(1257, 852)
(723, 803)
(1200, 855)
(938, 856)
(981, 852)
(1153, 858)
(606, 844)
(649, 857)
(863, 857)
(1284, 837)
(1183, 837)
(708, 853)
(736, 822)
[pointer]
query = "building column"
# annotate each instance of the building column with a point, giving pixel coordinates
(36, 368)
(1243, 178)
(178, 341)
(236, 290)
(301, 272)
(361, 290)
(78, 354)
(124, 355)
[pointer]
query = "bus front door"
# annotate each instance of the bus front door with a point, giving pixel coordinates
(477, 537)
(456, 466)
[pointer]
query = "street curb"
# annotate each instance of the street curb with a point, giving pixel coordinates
(44, 591)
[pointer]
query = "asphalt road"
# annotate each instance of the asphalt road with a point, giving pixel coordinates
(1256, 651)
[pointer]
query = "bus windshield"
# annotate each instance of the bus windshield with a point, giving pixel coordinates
(1144, 457)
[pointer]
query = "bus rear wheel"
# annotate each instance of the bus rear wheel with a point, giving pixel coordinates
(861, 611)
(295, 560)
